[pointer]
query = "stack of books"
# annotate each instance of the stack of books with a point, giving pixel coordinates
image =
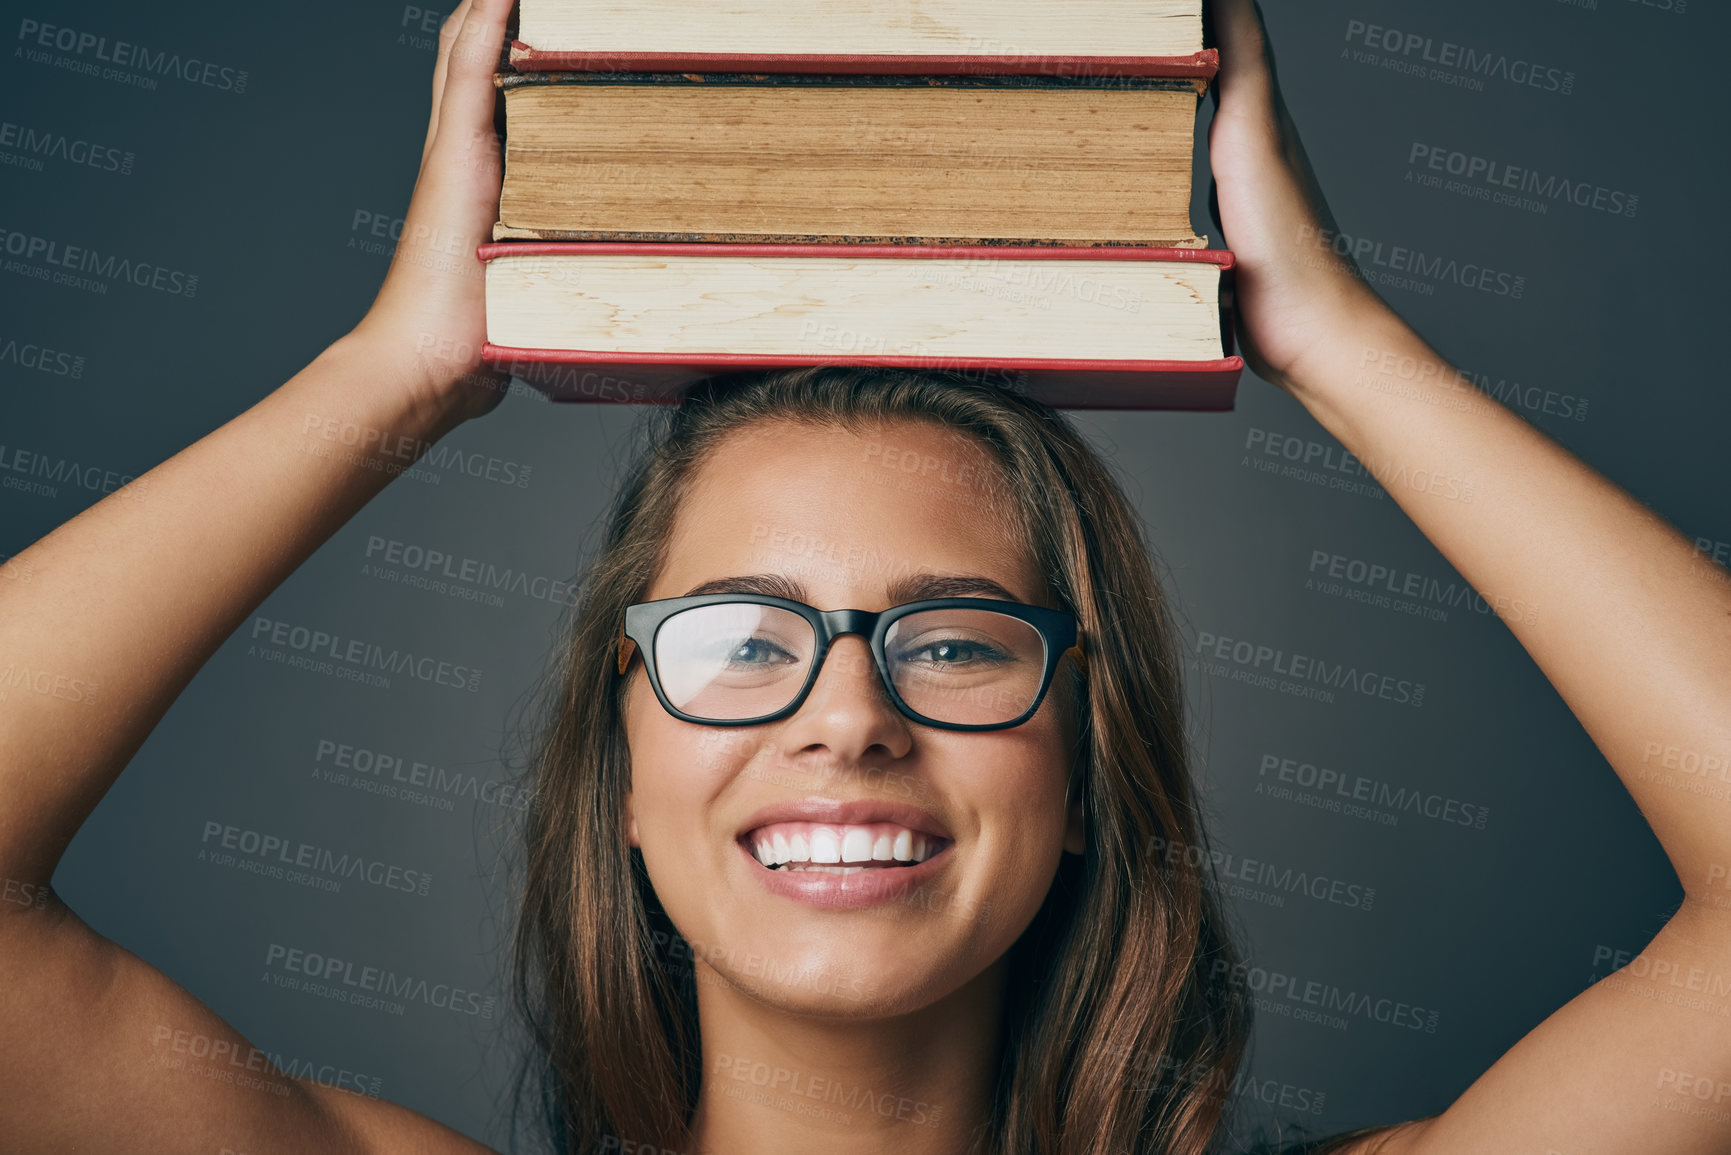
(695, 187)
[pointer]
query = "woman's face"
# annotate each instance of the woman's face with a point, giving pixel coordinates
(841, 519)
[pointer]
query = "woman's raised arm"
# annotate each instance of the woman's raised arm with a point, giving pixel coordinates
(1634, 633)
(109, 617)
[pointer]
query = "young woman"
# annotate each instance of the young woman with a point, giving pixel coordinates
(900, 808)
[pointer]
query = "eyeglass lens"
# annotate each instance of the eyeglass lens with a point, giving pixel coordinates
(731, 661)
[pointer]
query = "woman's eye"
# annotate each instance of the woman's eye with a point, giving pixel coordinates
(952, 653)
(758, 652)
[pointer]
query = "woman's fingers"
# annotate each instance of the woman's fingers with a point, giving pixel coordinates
(1270, 208)
(1259, 145)
(467, 100)
(1243, 44)
(1245, 86)
(457, 193)
(431, 310)
(447, 37)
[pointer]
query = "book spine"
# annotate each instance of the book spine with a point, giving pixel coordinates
(1067, 383)
(503, 354)
(1220, 257)
(1198, 65)
(510, 81)
(504, 232)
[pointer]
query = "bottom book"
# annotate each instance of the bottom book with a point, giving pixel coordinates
(1109, 327)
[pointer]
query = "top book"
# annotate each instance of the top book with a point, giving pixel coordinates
(936, 37)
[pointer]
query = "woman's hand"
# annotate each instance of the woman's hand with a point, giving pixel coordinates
(429, 319)
(1294, 297)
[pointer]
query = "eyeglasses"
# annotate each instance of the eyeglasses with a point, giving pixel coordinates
(746, 659)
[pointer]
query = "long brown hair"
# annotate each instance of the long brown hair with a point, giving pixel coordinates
(1123, 1027)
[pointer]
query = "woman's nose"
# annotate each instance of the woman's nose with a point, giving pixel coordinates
(849, 710)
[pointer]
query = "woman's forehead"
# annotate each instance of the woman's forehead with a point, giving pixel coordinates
(820, 506)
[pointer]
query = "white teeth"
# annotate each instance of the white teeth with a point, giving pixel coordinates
(856, 845)
(797, 846)
(802, 866)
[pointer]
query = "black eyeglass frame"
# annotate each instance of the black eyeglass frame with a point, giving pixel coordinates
(644, 620)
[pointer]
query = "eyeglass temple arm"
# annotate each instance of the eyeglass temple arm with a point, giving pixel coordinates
(1078, 655)
(627, 648)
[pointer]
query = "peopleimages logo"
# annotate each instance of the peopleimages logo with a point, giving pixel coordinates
(51, 471)
(1168, 1071)
(1400, 267)
(396, 776)
(455, 575)
(1393, 369)
(36, 145)
(1230, 868)
(345, 981)
(275, 850)
(326, 652)
(31, 250)
(1461, 65)
(1337, 786)
(1300, 674)
(48, 683)
(29, 355)
(1513, 184)
(401, 451)
(1297, 997)
(797, 1091)
(1373, 580)
(88, 52)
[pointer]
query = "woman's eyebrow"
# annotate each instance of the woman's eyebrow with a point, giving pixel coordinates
(920, 586)
(769, 584)
(911, 588)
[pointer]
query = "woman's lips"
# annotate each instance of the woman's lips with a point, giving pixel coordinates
(854, 853)
(852, 812)
(860, 886)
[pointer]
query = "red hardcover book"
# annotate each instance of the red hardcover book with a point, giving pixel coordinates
(1055, 38)
(542, 288)
(1196, 65)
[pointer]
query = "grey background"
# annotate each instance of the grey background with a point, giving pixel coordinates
(258, 193)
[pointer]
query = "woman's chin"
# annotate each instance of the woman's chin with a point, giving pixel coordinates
(870, 971)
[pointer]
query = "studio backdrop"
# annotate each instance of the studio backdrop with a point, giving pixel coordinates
(1423, 849)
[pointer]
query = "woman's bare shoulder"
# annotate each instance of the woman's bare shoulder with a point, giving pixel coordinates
(1394, 1139)
(152, 1068)
(379, 1127)
(1388, 1139)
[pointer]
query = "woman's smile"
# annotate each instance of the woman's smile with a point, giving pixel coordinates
(865, 882)
(845, 854)
(807, 846)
